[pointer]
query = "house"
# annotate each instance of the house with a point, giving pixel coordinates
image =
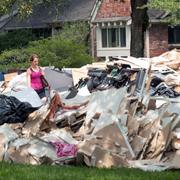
(110, 26)
(46, 19)
(112, 31)
(5, 19)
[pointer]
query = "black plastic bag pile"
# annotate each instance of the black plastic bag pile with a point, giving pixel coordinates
(14, 111)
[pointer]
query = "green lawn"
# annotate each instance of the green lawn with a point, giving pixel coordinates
(17, 172)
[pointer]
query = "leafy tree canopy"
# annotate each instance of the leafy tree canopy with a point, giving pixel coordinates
(24, 7)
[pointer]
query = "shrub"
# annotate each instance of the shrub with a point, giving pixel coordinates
(59, 51)
(16, 39)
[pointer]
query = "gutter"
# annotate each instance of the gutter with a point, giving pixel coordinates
(158, 21)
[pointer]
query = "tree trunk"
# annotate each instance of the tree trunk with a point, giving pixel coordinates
(139, 25)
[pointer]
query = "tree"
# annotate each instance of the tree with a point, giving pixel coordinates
(24, 7)
(138, 27)
(170, 6)
(140, 20)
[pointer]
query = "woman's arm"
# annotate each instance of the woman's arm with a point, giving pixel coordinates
(42, 72)
(29, 78)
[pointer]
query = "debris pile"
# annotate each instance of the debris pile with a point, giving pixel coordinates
(123, 113)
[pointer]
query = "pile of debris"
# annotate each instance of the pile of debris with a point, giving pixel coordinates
(123, 113)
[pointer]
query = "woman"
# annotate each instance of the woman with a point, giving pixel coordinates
(34, 76)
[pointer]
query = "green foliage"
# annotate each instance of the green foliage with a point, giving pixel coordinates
(67, 49)
(170, 6)
(77, 32)
(15, 39)
(24, 7)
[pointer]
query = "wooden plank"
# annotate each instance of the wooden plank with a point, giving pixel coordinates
(10, 76)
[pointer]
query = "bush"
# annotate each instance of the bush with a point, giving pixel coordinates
(16, 39)
(77, 32)
(59, 51)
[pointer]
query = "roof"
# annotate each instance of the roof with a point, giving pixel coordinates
(71, 10)
(6, 18)
(156, 15)
(76, 10)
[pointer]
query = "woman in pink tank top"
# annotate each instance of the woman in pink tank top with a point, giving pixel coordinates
(34, 74)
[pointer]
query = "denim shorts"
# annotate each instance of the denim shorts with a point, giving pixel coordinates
(41, 93)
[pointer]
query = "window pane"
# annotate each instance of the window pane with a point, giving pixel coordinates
(123, 37)
(174, 35)
(109, 38)
(113, 37)
(177, 35)
(170, 35)
(117, 37)
(104, 37)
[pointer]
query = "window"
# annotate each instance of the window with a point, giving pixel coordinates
(174, 35)
(114, 37)
(42, 32)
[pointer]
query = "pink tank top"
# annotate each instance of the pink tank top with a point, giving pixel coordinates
(36, 82)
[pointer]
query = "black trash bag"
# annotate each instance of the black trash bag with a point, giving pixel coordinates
(72, 94)
(74, 89)
(90, 85)
(107, 83)
(93, 83)
(97, 73)
(14, 111)
(163, 90)
(156, 81)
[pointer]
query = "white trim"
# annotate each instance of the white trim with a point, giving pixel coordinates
(103, 24)
(129, 22)
(95, 10)
(119, 33)
(113, 48)
(174, 44)
(112, 51)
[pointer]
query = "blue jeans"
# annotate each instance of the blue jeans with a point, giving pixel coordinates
(41, 93)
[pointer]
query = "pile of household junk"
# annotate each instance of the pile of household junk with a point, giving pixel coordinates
(120, 113)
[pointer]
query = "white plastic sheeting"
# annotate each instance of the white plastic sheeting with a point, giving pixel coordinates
(27, 95)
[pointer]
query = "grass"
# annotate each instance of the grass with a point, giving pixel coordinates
(18, 172)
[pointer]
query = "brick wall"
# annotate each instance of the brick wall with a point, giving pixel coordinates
(114, 8)
(158, 33)
(158, 39)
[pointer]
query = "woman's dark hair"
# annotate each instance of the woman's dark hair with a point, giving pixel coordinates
(33, 56)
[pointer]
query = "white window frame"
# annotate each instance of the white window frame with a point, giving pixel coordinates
(119, 27)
